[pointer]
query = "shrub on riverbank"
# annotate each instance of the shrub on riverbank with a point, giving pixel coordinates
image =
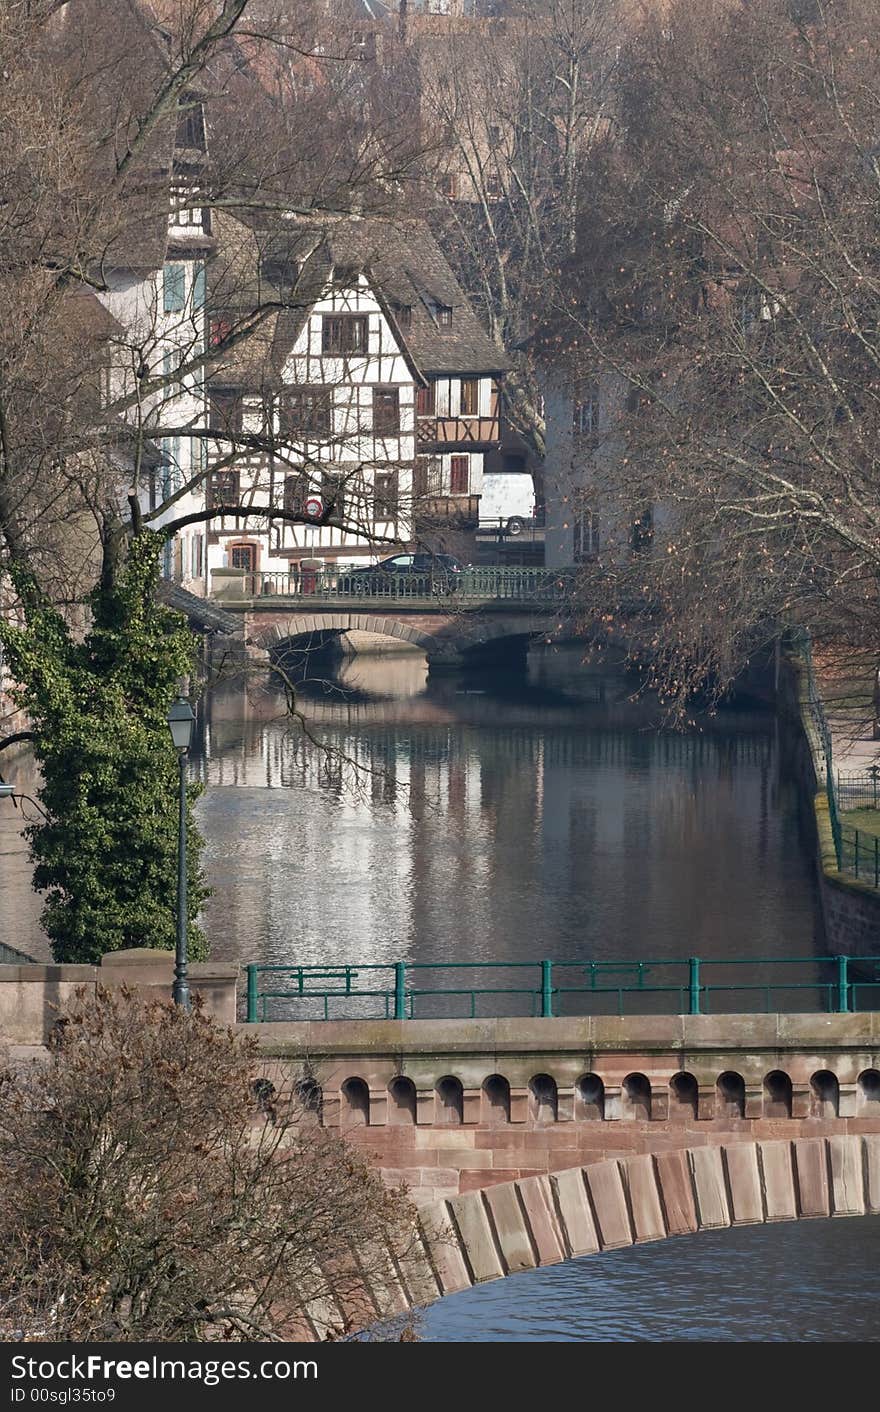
(156, 1185)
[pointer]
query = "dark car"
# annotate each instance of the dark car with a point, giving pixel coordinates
(405, 576)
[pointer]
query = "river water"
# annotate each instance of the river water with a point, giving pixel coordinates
(457, 820)
(465, 820)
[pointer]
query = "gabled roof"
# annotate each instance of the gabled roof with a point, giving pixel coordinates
(291, 262)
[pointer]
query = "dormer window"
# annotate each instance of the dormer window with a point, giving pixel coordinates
(191, 124)
(443, 315)
(403, 315)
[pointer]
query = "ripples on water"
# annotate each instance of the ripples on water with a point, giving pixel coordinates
(804, 1282)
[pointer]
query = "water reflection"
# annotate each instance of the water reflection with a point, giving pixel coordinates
(456, 819)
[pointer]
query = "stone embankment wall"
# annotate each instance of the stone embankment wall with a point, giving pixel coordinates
(31, 996)
(453, 1106)
(850, 909)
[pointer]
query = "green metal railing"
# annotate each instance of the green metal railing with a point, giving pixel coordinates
(487, 583)
(402, 990)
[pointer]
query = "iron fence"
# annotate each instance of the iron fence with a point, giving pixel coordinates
(486, 583)
(493, 989)
(860, 791)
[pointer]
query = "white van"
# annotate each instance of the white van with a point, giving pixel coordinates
(507, 501)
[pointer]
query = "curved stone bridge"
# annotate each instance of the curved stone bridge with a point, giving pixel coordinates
(536, 1221)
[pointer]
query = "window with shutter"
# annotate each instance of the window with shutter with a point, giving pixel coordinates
(470, 397)
(174, 288)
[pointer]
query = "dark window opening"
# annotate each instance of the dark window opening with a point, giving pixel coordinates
(307, 411)
(296, 491)
(425, 401)
(344, 333)
(243, 556)
(224, 412)
(191, 124)
(642, 532)
(222, 489)
(459, 475)
(386, 411)
(585, 413)
(444, 315)
(427, 476)
(333, 494)
(219, 329)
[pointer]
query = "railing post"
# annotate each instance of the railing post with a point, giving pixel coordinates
(400, 990)
(252, 994)
(546, 990)
(842, 986)
(694, 984)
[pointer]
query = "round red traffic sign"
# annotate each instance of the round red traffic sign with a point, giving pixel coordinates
(313, 507)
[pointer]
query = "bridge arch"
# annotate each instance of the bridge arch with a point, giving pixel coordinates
(281, 635)
(446, 637)
(501, 1230)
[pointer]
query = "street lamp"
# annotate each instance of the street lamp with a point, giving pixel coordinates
(7, 791)
(181, 720)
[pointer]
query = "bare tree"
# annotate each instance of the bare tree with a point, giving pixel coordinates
(156, 1184)
(724, 294)
(106, 109)
(514, 107)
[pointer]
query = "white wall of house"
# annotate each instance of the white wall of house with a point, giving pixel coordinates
(163, 315)
(370, 460)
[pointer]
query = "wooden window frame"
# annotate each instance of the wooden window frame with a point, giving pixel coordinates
(342, 325)
(215, 500)
(252, 548)
(426, 400)
(469, 393)
(386, 499)
(455, 466)
(386, 415)
(306, 413)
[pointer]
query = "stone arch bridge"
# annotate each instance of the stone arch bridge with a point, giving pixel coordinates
(489, 619)
(449, 640)
(527, 1142)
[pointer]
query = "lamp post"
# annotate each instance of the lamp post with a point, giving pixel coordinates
(7, 791)
(181, 720)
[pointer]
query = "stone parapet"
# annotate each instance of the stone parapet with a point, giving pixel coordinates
(33, 996)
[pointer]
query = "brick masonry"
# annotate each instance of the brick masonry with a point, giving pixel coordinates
(449, 1107)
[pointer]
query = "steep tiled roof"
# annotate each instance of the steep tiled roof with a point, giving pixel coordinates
(291, 263)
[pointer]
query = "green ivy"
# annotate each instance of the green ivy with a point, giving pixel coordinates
(106, 854)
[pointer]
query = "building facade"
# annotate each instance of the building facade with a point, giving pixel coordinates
(368, 400)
